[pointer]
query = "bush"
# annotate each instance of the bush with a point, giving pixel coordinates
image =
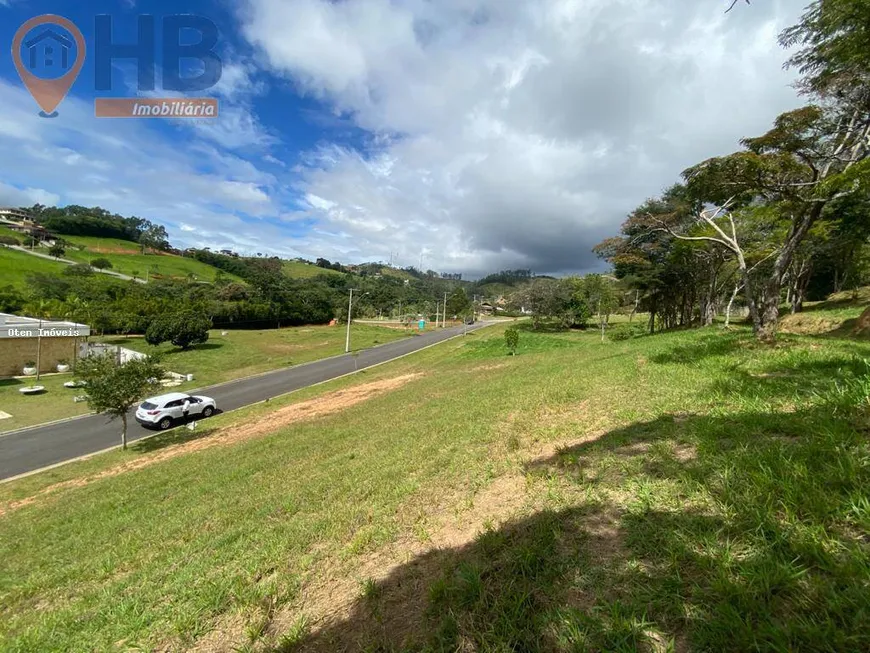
(183, 329)
(512, 340)
(57, 250)
(9, 240)
(622, 332)
(101, 264)
(79, 270)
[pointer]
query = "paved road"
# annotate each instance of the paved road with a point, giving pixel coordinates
(41, 446)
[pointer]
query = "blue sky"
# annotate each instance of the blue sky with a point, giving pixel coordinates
(477, 134)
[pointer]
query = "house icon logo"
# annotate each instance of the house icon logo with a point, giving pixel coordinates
(48, 52)
(45, 46)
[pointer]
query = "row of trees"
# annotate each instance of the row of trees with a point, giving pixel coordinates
(77, 220)
(781, 218)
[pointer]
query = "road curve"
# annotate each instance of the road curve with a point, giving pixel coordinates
(42, 446)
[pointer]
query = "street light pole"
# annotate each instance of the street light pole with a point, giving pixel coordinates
(349, 309)
(444, 320)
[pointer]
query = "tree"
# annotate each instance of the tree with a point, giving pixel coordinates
(833, 50)
(154, 237)
(183, 329)
(512, 340)
(547, 299)
(101, 264)
(813, 156)
(600, 297)
(57, 250)
(458, 303)
(114, 389)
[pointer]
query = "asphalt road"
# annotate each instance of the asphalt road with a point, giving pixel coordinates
(42, 446)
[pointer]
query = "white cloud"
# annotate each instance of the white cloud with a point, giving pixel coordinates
(12, 196)
(205, 196)
(515, 133)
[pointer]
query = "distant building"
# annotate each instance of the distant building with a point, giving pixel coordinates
(14, 215)
(19, 341)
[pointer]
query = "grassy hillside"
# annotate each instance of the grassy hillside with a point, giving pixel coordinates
(835, 316)
(6, 231)
(126, 257)
(686, 491)
(301, 270)
(15, 266)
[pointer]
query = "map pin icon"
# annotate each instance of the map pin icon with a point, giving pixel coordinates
(48, 93)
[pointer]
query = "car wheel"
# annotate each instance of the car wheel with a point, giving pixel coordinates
(208, 411)
(165, 423)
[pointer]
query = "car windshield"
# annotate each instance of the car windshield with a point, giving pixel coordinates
(148, 405)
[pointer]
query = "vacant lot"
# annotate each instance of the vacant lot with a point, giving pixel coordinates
(16, 266)
(127, 258)
(686, 491)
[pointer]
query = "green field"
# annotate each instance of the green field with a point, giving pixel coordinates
(245, 353)
(126, 257)
(222, 358)
(6, 231)
(55, 403)
(16, 266)
(686, 491)
(300, 270)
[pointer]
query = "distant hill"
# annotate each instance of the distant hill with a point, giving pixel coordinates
(301, 270)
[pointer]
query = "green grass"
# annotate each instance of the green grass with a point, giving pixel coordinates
(16, 266)
(6, 231)
(55, 403)
(245, 353)
(685, 491)
(300, 270)
(126, 258)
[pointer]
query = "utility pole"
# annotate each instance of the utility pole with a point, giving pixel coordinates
(444, 321)
(349, 309)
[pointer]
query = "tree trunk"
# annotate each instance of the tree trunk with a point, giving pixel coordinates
(124, 431)
(737, 288)
(769, 310)
(771, 295)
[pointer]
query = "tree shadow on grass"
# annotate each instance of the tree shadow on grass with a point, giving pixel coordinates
(176, 436)
(708, 346)
(733, 533)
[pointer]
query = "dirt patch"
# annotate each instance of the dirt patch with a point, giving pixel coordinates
(322, 406)
(106, 249)
(488, 368)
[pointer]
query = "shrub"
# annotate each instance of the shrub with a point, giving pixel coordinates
(9, 240)
(79, 270)
(512, 340)
(101, 264)
(622, 332)
(183, 329)
(57, 250)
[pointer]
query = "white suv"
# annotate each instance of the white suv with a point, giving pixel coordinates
(164, 411)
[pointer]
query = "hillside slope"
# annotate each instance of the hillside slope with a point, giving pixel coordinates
(15, 266)
(691, 490)
(127, 258)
